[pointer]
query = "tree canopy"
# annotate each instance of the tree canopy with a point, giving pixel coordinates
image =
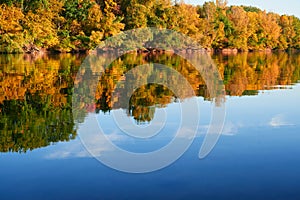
(67, 25)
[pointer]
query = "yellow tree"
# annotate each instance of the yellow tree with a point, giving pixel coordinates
(269, 31)
(40, 27)
(240, 20)
(287, 32)
(187, 21)
(208, 15)
(252, 28)
(110, 23)
(11, 30)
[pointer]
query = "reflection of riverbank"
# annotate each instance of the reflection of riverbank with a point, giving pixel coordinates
(36, 94)
(187, 50)
(243, 74)
(35, 104)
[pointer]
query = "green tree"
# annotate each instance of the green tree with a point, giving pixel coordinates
(136, 16)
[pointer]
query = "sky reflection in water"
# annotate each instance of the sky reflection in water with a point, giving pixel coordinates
(256, 157)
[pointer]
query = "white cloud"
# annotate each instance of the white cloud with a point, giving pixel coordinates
(278, 121)
(230, 129)
(75, 149)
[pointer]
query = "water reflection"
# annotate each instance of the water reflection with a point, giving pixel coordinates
(35, 101)
(36, 93)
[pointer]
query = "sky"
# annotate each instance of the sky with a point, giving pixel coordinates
(290, 7)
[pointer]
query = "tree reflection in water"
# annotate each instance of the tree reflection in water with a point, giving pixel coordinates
(36, 93)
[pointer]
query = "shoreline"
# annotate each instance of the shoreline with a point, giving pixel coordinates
(34, 51)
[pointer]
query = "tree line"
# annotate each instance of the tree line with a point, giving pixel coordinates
(78, 25)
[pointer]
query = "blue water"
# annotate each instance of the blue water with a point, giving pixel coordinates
(256, 157)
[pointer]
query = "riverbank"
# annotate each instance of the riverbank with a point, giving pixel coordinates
(35, 51)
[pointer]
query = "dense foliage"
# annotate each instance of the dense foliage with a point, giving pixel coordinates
(68, 25)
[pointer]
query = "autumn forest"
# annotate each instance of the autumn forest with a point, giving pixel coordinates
(80, 25)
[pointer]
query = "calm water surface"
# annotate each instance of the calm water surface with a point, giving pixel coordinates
(256, 157)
